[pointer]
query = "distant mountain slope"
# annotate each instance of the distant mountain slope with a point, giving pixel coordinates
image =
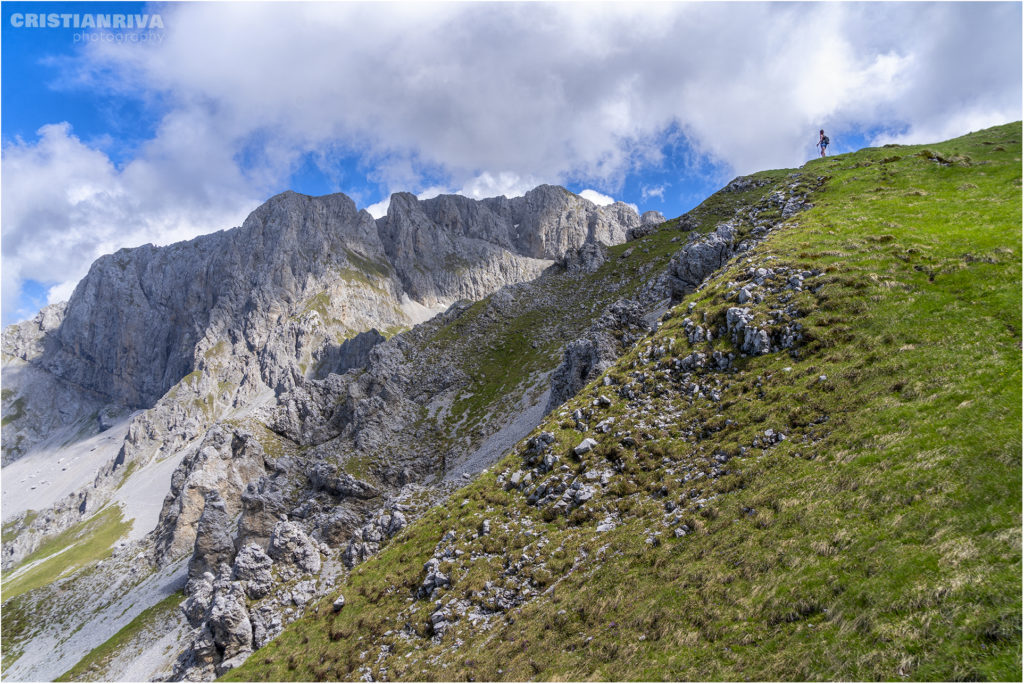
(199, 330)
(203, 429)
(259, 301)
(810, 471)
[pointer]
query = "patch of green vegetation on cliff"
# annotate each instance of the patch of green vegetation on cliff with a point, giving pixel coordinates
(93, 667)
(17, 411)
(369, 266)
(880, 540)
(393, 330)
(11, 529)
(81, 544)
(216, 350)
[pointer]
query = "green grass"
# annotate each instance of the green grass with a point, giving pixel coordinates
(94, 666)
(393, 330)
(500, 352)
(13, 528)
(82, 544)
(880, 540)
(16, 412)
(369, 266)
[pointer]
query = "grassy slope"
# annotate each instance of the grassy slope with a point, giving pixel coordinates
(553, 309)
(76, 547)
(883, 543)
(94, 666)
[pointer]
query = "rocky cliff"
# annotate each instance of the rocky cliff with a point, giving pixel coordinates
(191, 332)
(301, 272)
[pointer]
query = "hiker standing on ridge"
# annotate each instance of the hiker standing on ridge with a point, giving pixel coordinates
(822, 141)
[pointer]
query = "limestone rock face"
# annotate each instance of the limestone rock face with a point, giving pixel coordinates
(589, 356)
(132, 326)
(699, 259)
(252, 566)
(219, 319)
(585, 259)
(213, 539)
(223, 464)
(652, 217)
(36, 404)
(230, 625)
(352, 353)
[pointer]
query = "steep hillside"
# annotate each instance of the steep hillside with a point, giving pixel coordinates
(295, 491)
(260, 320)
(811, 470)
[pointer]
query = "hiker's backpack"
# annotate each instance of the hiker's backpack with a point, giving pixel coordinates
(825, 140)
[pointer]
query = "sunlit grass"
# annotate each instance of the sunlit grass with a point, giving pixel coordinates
(881, 540)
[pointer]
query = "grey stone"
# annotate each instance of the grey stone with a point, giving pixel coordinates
(303, 592)
(199, 593)
(585, 259)
(267, 623)
(213, 545)
(652, 218)
(700, 258)
(586, 358)
(289, 544)
(229, 621)
(585, 446)
(253, 568)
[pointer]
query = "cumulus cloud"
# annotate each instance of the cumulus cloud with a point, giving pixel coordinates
(488, 99)
(559, 90)
(65, 203)
(647, 192)
(596, 197)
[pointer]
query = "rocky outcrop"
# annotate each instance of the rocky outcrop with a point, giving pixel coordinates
(585, 259)
(222, 467)
(290, 545)
(651, 218)
(352, 353)
(649, 223)
(589, 356)
(213, 546)
(701, 257)
(36, 404)
(252, 566)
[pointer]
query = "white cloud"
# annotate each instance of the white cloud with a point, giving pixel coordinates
(60, 292)
(64, 204)
(379, 209)
(647, 192)
(488, 99)
(956, 125)
(561, 90)
(596, 197)
(505, 183)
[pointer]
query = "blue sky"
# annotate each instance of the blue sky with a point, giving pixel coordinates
(113, 137)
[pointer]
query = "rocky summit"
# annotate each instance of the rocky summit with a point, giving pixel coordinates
(514, 439)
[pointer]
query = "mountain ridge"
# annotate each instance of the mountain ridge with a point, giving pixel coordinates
(754, 465)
